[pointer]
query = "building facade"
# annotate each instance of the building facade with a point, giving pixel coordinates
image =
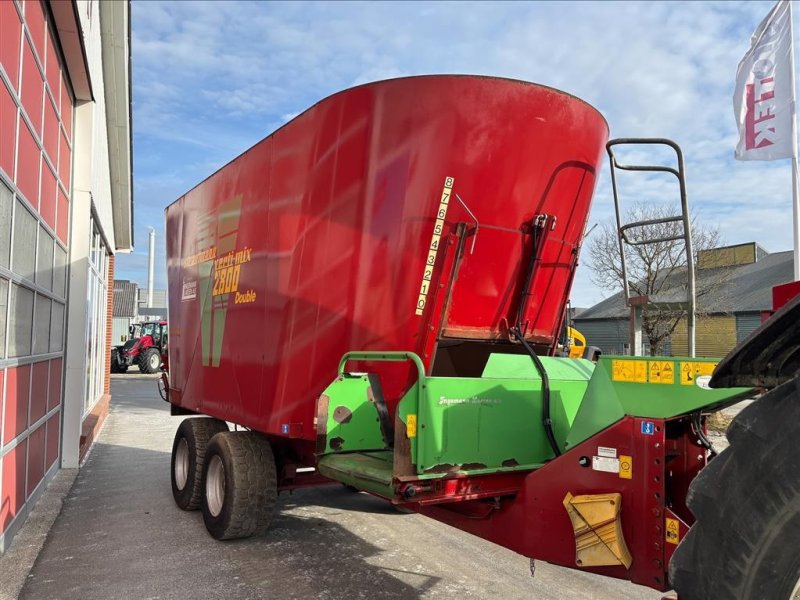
(737, 282)
(65, 210)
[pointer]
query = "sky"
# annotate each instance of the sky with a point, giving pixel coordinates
(210, 79)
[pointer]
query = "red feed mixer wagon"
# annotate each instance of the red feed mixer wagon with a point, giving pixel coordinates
(373, 295)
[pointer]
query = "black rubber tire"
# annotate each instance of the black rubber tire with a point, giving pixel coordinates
(117, 366)
(197, 432)
(145, 361)
(250, 482)
(744, 544)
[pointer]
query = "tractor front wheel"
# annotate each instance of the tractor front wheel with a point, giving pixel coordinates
(117, 363)
(747, 503)
(150, 360)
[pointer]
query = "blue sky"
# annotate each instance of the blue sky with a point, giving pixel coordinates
(210, 79)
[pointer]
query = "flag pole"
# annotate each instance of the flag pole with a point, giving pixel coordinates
(795, 198)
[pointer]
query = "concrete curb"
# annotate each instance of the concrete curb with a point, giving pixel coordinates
(18, 560)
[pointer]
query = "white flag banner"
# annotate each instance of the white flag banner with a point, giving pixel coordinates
(764, 98)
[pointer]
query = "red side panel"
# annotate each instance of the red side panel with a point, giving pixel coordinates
(314, 242)
(781, 294)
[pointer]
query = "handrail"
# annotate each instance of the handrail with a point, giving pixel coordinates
(622, 230)
(377, 356)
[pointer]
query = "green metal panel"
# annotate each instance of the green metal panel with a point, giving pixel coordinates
(369, 471)
(657, 387)
(352, 421)
(494, 423)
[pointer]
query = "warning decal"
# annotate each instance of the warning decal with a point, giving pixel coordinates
(625, 467)
(691, 370)
(673, 531)
(411, 426)
(661, 371)
(629, 370)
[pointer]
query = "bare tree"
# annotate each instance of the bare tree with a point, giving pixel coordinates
(656, 270)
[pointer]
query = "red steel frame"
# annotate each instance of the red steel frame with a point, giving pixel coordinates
(525, 512)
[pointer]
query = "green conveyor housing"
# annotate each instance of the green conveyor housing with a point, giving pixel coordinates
(493, 423)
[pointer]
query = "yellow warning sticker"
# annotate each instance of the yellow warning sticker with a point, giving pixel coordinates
(691, 370)
(411, 426)
(673, 531)
(661, 371)
(625, 467)
(629, 370)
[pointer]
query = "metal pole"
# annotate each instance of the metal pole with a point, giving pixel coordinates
(151, 267)
(692, 287)
(795, 198)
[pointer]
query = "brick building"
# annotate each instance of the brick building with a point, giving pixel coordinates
(65, 210)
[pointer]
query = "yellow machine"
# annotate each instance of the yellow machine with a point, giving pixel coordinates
(576, 343)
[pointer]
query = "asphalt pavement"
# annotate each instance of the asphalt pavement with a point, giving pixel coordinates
(119, 535)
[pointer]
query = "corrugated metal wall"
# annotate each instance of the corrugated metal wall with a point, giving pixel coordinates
(715, 336)
(746, 323)
(610, 335)
(119, 330)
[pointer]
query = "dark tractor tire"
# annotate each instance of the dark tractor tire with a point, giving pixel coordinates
(149, 360)
(189, 459)
(241, 485)
(744, 544)
(117, 364)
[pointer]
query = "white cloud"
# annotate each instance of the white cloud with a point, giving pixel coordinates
(212, 78)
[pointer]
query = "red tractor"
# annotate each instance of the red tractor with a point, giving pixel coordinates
(143, 348)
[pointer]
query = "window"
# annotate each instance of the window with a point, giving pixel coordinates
(21, 317)
(6, 198)
(57, 327)
(44, 266)
(96, 304)
(24, 254)
(41, 325)
(3, 313)
(60, 272)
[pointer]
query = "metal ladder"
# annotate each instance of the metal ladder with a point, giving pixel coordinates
(686, 236)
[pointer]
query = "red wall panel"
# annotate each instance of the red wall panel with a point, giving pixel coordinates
(36, 451)
(53, 69)
(18, 387)
(28, 165)
(66, 108)
(32, 88)
(2, 377)
(53, 437)
(47, 206)
(12, 493)
(54, 396)
(34, 18)
(39, 390)
(10, 35)
(64, 162)
(8, 130)
(51, 133)
(62, 217)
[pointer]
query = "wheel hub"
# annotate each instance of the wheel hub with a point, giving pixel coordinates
(215, 486)
(155, 360)
(182, 464)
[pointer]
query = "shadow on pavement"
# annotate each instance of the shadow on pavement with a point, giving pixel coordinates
(120, 535)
